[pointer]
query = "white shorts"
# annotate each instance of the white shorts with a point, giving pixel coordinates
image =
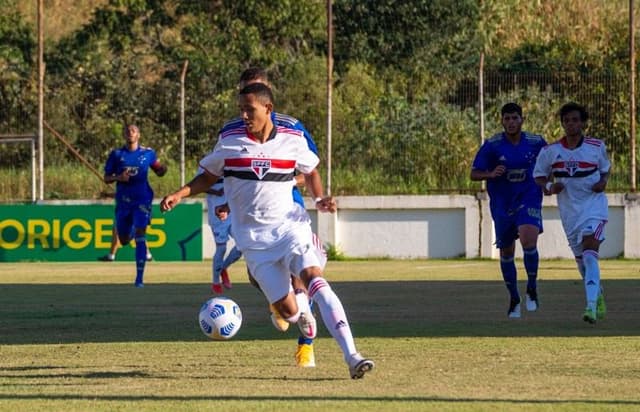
(272, 268)
(593, 227)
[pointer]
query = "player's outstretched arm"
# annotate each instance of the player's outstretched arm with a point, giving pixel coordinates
(313, 182)
(198, 184)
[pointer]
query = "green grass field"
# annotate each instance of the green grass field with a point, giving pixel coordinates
(80, 337)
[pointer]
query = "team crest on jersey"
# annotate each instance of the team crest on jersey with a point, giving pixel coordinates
(571, 166)
(260, 167)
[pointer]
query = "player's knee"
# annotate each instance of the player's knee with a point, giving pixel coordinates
(308, 274)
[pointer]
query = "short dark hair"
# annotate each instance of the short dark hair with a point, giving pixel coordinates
(511, 108)
(254, 73)
(574, 107)
(260, 90)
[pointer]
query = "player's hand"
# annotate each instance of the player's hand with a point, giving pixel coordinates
(124, 176)
(169, 202)
(498, 171)
(327, 204)
(556, 188)
(600, 186)
(222, 211)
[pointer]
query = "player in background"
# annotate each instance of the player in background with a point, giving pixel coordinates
(576, 169)
(258, 162)
(506, 162)
(221, 230)
(304, 355)
(115, 245)
(129, 166)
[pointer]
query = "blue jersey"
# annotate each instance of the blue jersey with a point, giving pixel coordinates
(516, 188)
(289, 122)
(138, 162)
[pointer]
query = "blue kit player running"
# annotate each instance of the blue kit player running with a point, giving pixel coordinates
(304, 353)
(506, 162)
(129, 167)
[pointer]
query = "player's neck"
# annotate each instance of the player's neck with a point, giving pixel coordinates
(573, 140)
(514, 138)
(133, 146)
(264, 134)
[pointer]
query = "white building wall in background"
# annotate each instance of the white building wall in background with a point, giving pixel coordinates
(448, 226)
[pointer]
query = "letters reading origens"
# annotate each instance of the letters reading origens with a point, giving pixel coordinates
(75, 234)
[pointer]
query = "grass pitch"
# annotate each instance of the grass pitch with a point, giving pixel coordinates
(80, 337)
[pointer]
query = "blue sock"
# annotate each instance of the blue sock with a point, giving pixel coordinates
(510, 276)
(234, 255)
(218, 261)
(531, 260)
(304, 341)
(141, 257)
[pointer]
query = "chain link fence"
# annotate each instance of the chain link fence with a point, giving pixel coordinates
(411, 147)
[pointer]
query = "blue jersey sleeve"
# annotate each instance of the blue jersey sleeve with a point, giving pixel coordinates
(307, 135)
(111, 167)
(482, 160)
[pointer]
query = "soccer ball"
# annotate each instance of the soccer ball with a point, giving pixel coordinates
(220, 318)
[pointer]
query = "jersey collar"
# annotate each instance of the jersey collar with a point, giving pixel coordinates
(565, 144)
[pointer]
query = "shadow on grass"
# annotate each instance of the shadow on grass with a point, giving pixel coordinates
(53, 313)
(318, 399)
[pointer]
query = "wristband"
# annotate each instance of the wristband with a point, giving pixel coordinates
(548, 186)
(317, 199)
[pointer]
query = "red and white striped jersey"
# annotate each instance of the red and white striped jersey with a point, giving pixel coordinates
(578, 170)
(258, 179)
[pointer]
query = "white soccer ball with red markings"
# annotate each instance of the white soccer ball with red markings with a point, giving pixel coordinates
(220, 318)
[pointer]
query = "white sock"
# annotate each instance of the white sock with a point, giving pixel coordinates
(591, 277)
(294, 318)
(333, 315)
(303, 302)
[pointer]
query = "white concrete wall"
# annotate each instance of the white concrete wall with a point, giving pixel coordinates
(446, 226)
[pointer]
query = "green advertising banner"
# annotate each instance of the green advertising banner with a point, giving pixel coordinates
(82, 233)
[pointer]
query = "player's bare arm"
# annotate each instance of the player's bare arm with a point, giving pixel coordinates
(602, 183)
(198, 184)
(488, 174)
(549, 187)
(160, 170)
(313, 182)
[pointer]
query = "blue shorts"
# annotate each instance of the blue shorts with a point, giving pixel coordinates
(506, 225)
(131, 216)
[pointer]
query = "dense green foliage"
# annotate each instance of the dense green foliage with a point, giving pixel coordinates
(404, 110)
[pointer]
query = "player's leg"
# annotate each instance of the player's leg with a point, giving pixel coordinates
(306, 260)
(510, 277)
(592, 236)
(113, 248)
(272, 275)
(224, 235)
(141, 219)
(528, 235)
(305, 356)
(220, 236)
(506, 233)
(231, 258)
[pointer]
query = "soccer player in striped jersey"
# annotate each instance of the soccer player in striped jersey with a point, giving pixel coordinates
(506, 162)
(129, 166)
(576, 169)
(221, 230)
(304, 355)
(273, 232)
